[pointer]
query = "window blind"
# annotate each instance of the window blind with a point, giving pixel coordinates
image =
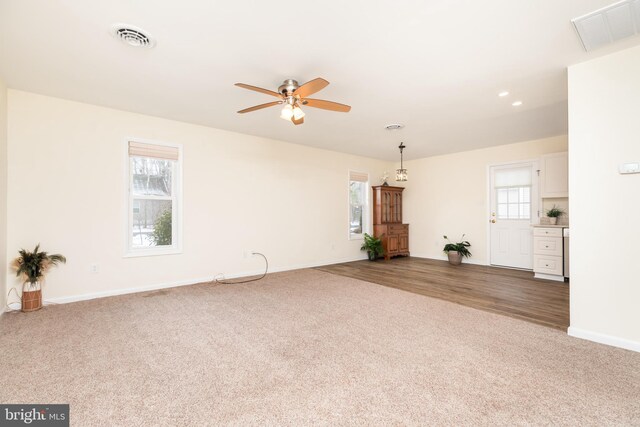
(358, 176)
(513, 177)
(140, 149)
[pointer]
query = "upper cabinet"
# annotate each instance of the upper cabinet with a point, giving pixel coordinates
(387, 204)
(554, 175)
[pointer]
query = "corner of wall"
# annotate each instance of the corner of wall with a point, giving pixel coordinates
(3, 197)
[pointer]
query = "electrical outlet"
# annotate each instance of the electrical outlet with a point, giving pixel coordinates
(94, 268)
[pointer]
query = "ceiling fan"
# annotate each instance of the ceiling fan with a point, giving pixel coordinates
(292, 95)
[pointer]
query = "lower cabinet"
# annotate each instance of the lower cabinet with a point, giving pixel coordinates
(548, 262)
(403, 243)
(395, 239)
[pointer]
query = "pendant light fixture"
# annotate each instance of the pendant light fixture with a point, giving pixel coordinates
(401, 174)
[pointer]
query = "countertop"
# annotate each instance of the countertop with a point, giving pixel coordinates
(551, 226)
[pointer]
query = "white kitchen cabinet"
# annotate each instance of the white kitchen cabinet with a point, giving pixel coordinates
(554, 175)
(548, 253)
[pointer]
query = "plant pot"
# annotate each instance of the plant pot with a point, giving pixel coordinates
(31, 299)
(372, 256)
(454, 258)
(553, 220)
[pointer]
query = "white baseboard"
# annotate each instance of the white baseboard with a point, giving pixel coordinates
(604, 339)
(554, 277)
(157, 286)
(444, 258)
(124, 291)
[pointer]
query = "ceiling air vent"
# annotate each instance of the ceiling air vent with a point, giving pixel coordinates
(133, 36)
(609, 24)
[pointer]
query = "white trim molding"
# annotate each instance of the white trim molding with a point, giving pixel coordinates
(444, 258)
(604, 339)
(157, 286)
(554, 277)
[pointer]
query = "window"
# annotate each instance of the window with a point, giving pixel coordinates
(513, 193)
(514, 203)
(154, 191)
(358, 203)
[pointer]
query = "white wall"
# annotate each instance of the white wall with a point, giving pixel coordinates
(448, 195)
(604, 131)
(3, 195)
(66, 179)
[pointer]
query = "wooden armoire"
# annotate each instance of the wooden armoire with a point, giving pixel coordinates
(387, 220)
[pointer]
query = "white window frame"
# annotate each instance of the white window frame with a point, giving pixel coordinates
(365, 209)
(176, 218)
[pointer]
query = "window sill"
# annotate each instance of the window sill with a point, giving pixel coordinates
(152, 252)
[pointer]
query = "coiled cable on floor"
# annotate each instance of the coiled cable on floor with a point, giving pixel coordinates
(255, 279)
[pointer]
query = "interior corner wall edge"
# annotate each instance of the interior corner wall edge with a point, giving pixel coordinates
(66, 180)
(3, 196)
(603, 133)
(447, 195)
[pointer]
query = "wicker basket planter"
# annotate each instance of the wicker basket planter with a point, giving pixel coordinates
(31, 297)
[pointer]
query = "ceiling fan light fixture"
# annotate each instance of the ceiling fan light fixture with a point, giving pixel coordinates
(292, 95)
(298, 113)
(287, 112)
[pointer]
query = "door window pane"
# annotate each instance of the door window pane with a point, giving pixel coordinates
(513, 202)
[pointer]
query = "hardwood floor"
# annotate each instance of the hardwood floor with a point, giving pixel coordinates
(513, 293)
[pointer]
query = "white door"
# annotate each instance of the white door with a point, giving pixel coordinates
(513, 206)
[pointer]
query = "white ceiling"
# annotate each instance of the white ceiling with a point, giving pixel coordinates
(435, 66)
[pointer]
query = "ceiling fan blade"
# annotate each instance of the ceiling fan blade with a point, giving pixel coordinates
(259, 107)
(297, 122)
(259, 89)
(326, 105)
(311, 87)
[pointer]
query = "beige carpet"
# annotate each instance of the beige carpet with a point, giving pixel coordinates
(308, 347)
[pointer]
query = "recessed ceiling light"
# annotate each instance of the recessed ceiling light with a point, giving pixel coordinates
(517, 103)
(503, 93)
(133, 36)
(394, 126)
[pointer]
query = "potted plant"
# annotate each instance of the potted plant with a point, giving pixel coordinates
(373, 246)
(554, 213)
(32, 267)
(456, 251)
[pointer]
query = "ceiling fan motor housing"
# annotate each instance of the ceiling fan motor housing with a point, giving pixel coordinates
(288, 86)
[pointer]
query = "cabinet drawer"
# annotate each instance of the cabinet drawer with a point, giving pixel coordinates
(547, 246)
(547, 264)
(550, 232)
(398, 228)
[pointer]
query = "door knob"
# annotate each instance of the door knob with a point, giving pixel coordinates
(493, 221)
